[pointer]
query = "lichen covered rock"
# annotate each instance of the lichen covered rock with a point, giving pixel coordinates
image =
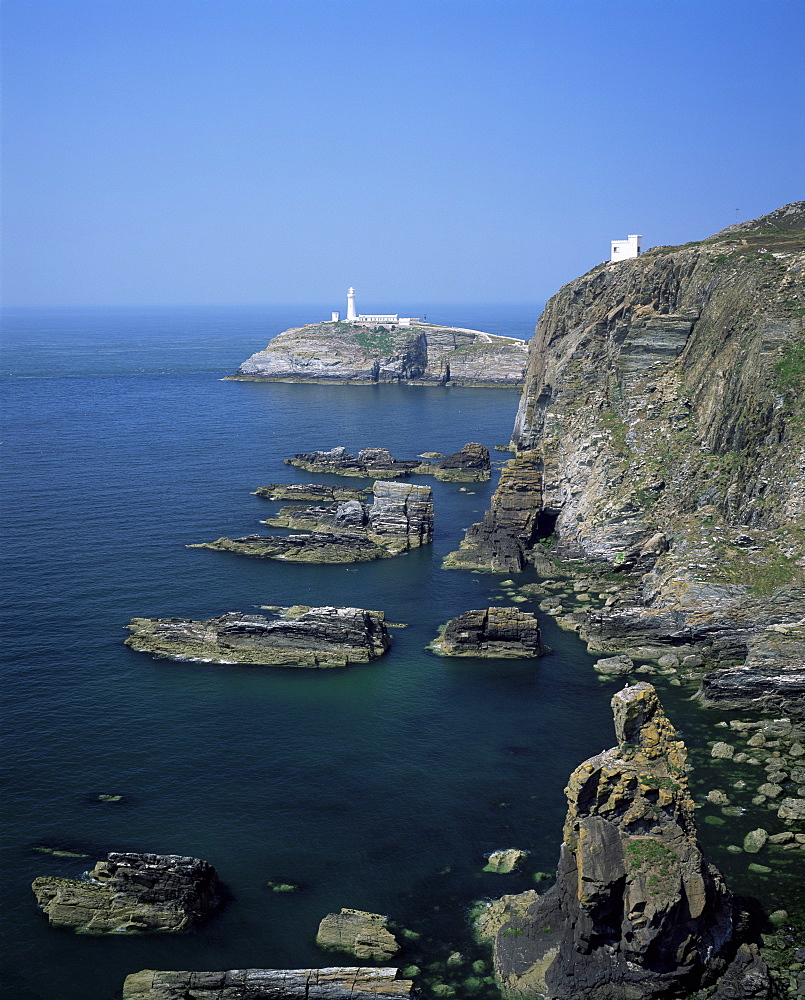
(364, 935)
(493, 633)
(133, 894)
(636, 911)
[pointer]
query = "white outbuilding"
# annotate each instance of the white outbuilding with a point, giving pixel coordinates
(632, 246)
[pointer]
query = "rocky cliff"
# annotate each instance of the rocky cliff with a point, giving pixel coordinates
(352, 353)
(662, 432)
(637, 911)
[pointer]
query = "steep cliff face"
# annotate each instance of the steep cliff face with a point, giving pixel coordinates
(662, 429)
(637, 911)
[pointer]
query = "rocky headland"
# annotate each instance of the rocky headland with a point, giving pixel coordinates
(399, 519)
(342, 983)
(491, 633)
(637, 911)
(132, 894)
(661, 439)
(469, 465)
(293, 637)
(357, 354)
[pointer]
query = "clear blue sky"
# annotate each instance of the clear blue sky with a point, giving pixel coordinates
(258, 151)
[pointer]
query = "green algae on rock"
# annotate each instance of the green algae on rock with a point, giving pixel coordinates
(314, 637)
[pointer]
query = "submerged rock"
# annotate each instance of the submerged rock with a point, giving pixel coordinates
(636, 911)
(132, 893)
(364, 935)
(494, 633)
(297, 637)
(347, 983)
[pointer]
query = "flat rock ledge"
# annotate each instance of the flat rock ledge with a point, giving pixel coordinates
(469, 465)
(493, 633)
(637, 912)
(364, 935)
(132, 894)
(294, 637)
(347, 983)
(317, 492)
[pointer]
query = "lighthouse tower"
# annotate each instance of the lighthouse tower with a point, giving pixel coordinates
(350, 305)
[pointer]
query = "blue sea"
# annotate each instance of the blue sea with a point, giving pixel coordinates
(379, 787)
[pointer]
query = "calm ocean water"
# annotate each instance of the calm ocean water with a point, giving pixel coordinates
(379, 787)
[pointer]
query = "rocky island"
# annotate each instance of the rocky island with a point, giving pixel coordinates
(469, 465)
(491, 633)
(661, 438)
(361, 353)
(399, 519)
(132, 894)
(293, 637)
(637, 911)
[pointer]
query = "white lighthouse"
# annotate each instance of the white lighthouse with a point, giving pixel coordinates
(350, 305)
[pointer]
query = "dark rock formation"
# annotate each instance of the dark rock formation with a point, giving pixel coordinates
(637, 912)
(469, 465)
(364, 935)
(316, 492)
(268, 984)
(662, 431)
(399, 519)
(494, 633)
(132, 893)
(346, 353)
(300, 637)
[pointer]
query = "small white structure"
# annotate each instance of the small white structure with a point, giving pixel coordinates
(632, 246)
(336, 316)
(376, 319)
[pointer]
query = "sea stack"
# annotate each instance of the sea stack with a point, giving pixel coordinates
(637, 911)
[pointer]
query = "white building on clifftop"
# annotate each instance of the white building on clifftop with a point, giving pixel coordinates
(632, 246)
(378, 319)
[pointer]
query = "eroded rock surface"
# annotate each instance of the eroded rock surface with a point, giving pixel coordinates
(471, 464)
(347, 353)
(295, 637)
(494, 633)
(637, 911)
(364, 935)
(317, 492)
(347, 983)
(133, 894)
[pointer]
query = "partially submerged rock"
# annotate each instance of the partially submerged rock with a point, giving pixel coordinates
(318, 492)
(495, 633)
(299, 637)
(471, 464)
(364, 935)
(132, 893)
(636, 911)
(503, 862)
(347, 983)
(400, 518)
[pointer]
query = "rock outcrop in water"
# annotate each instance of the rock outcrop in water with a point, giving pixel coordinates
(317, 492)
(346, 983)
(133, 894)
(662, 431)
(347, 353)
(294, 637)
(356, 932)
(637, 912)
(491, 633)
(469, 465)
(399, 519)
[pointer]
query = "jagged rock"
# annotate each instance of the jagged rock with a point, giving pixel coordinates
(792, 809)
(747, 978)
(470, 465)
(372, 463)
(298, 637)
(309, 491)
(364, 935)
(343, 983)
(400, 518)
(503, 862)
(636, 911)
(132, 893)
(494, 633)
(661, 432)
(347, 353)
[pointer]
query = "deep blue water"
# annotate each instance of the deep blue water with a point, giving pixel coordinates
(379, 787)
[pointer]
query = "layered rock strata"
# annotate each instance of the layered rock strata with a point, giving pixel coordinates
(400, 518)
(347, 983)
(662, 431)
(492, 633)
(355, 354)
(296, 637)
(364, 935)
(637, 911)
(471, 464)
(316, 492)
(132, 894)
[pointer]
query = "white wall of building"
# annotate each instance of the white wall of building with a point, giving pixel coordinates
(632, 246)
